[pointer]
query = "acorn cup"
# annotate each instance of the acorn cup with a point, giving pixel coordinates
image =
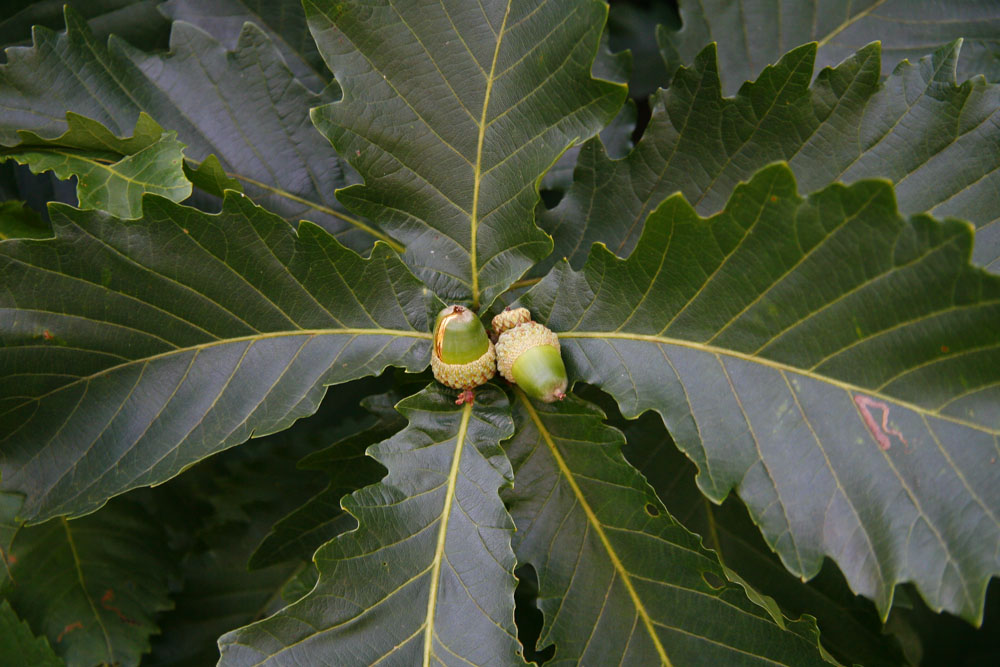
(528, 355)
(463, 357)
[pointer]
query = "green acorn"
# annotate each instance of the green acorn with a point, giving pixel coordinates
(528, 355)
(463, 356)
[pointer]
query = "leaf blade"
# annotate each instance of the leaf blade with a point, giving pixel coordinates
(93, 586)
(17, 642)
(113, 172)
(453, 176)
(739, 404)
(157, 362)
(641, 591)
(264, 141)
(906, 29)
(424, 595)
(920, 129)
(322, 518)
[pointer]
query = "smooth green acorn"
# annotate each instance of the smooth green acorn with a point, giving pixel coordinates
(528, 355)
(463, 357)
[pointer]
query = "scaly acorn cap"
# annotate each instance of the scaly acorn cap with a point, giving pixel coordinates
(463, 356)
(529, 356)
(510, 318)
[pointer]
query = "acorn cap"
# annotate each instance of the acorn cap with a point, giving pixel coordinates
(463, 356)
(510, 318)
(529, 356)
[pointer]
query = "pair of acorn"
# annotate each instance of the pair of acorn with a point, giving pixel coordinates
(526, 353)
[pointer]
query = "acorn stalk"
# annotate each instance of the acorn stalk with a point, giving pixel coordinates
(463, 357)
(528, 355)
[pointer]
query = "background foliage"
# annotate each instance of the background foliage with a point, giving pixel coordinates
(769, 243)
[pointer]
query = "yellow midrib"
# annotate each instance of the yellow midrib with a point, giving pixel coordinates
(848, 22)
(443, 534)
(776, 365)
(478, 169)
(598, 528)
(105, 164)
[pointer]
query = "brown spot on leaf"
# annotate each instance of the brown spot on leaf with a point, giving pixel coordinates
(107, 599)
(68, 629)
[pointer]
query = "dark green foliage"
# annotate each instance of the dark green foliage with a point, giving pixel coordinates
(223, 221)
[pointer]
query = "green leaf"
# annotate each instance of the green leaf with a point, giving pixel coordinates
(138, 21)
(217, 512)
(113, 173)
(979, 57)
(427, 577)
(300, 584)
(18, 645)
(94, 585)
(836, 364)
(283, 20)
(617, 135)
(849, 625)
(452, 113)
(932, 138)
(211, 177)
(243, 106)
(620, 581)
(348, 467)
(140, 347)
(758, 33)
(17, 221)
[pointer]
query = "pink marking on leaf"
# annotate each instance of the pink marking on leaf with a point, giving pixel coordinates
(880, 432)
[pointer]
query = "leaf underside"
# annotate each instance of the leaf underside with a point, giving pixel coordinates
(284, 22)
(836, 364)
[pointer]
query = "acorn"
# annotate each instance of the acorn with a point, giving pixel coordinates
(463, 357)
(528, 355)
